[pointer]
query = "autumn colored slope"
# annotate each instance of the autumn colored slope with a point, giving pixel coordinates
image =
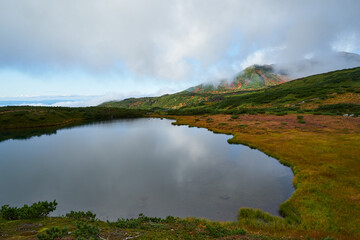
(252, 78)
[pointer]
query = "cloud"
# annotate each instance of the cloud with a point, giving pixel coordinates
(157, 38)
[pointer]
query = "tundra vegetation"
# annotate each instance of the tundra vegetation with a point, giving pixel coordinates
(311, 125)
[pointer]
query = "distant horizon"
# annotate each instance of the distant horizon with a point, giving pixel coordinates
(83, 100)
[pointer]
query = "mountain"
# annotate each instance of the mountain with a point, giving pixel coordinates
(304, 94)
(252, 78)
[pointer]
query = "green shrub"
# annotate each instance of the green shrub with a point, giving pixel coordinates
(80, 215)
(217, 230)
(299, 117)
(86, 231)
(137, 222)
(53, 234)
(339, 108)
(258, 218)
(36, 210)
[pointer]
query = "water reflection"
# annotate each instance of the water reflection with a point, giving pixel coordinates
(126, 167)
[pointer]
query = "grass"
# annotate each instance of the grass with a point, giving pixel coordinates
(142, 227)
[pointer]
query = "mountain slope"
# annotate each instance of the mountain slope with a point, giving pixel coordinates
(305, 94)
(335, 92)
(253, 77)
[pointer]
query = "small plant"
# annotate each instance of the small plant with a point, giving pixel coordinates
(283, 123)
(301, 119)
(235, 116)
(86, 231)
(217, 230)
(80, 215)
(36, 210)
(137, 222)
(53, 234)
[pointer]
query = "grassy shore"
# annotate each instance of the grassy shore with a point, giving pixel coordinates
(169, 228)
(27, 121)
(21, 117)
(323, 152)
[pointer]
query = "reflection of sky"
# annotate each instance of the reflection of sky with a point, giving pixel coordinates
(122, 168)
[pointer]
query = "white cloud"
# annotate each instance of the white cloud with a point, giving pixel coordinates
(262, 56)
(347, 43)
(154, 39)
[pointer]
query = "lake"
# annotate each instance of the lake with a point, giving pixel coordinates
(126, 167)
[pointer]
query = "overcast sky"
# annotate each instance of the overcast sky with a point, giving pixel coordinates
(122, 48)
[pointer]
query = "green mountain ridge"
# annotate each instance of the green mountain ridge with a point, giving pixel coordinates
(304, 94)
(252, 78)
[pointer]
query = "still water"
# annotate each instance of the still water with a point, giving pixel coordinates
(126, 167)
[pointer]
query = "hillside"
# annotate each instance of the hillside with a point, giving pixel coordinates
(252, 78)
(312, 94)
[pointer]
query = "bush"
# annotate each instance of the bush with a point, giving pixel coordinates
(217, 230)
(258, 218)
(36, 210)
(53, 233)
(81, 215)
(339, 108)
(137, 222)
(86, 231)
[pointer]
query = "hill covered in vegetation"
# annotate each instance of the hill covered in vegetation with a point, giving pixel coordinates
(336, 92)
(252, 78)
